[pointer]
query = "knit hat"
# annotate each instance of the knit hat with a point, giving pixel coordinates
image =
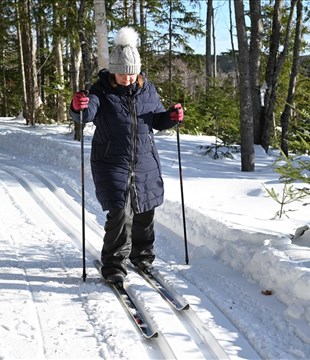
(125, 58)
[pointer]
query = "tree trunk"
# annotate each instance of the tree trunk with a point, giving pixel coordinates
(4, 85)
(42, 44)
(85, 60)
(102, 34)
(232, 43)
(170, 50)
(255, 58)
(75, 61)
(61, 103)
(274, 67)
(214, 72)
(29, 54)
(84, 46)
(135, 12)
(142, 32)
(285, 117)
(58, 41)
(208, 43)
(22, 65)
(246, 114)
(126, 10)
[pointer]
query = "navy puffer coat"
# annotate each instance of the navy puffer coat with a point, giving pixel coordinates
(124, 158)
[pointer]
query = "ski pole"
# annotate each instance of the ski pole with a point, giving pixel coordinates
(182, 194)
(83, 194)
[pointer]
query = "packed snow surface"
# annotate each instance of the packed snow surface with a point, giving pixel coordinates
(247, 279)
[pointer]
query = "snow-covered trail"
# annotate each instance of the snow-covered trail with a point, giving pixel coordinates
(48, 264)
(47, 275)
(62, 317)
(48, 312)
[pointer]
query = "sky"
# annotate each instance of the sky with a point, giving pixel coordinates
(222, 24)
(223, 43)
(239, 252)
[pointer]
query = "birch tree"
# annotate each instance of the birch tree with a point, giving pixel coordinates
(58, 46)
(102, 34)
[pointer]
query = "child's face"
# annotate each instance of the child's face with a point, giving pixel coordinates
(125, 79)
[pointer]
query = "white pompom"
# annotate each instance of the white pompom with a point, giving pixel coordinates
(126, 36)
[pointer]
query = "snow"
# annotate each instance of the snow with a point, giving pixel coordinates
(238, 250)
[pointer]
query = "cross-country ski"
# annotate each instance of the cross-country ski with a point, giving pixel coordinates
(130, 306)
(159, 285)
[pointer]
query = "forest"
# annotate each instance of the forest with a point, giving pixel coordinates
(258, 92)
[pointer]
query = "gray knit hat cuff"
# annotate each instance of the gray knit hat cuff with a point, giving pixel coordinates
(124, 69)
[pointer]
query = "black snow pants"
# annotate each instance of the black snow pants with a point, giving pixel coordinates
(127, 236)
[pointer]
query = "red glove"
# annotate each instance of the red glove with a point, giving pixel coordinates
(176, 113)
(80, 101)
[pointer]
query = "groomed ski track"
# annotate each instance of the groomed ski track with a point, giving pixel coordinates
(53, 212)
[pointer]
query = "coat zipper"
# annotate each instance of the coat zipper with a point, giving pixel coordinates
(131, 177)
